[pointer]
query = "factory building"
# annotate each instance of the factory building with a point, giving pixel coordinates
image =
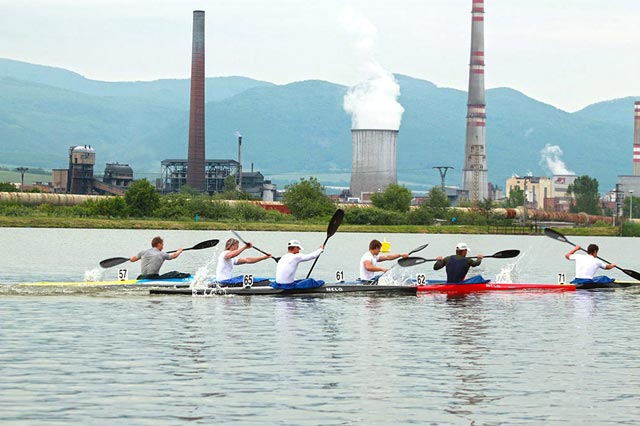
(79, 177)
(174, 175)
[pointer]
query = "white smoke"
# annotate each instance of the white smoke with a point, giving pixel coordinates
(372, 103)
(550, 158)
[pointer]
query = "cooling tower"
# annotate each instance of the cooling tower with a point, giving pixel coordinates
(636, 141)
(373, 160)
(475, 155)
(196, 155)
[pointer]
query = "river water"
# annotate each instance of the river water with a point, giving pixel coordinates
(95, 357)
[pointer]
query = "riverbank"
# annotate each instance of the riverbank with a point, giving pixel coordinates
(97, 223)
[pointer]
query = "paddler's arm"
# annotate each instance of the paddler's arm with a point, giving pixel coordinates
(440, 263)
(176, 254)
(134, 259)
(572, 251)
(477, 261)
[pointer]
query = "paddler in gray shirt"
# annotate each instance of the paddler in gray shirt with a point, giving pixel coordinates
(153, 258)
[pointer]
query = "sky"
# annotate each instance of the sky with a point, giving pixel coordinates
(567, 53)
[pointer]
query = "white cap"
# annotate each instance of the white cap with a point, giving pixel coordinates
(295, 243)
(462, 246)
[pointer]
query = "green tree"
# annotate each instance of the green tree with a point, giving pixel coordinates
(307, 199)
(141, 198)
(627, 205)
(7, 187)
(438, 202)
(230, 184)
(395, 197)
(585, 191)
(188, 190)
(516, 197)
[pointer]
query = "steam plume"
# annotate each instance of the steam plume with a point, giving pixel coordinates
(550, 158)
(372, 103)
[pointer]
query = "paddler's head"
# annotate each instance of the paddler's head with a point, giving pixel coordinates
(294, 246)
(462, 249)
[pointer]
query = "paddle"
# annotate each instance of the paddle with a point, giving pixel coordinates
(504, 254)
(375, 279)
(263, 252)
(558, 236)
(108, 263)
(334, 224)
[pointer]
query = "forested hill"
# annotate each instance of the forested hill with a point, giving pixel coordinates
(294, 130)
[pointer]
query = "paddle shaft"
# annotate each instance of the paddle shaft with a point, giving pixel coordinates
(334, 223)
(108, 263)
(415, 250)
(276, 259)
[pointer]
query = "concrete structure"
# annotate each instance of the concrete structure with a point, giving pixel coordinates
(636, 140)
(536, 189)
(374, 165)
(118, 175)
(560, 185)
(82, 158)
(196, 155)
(475, 155)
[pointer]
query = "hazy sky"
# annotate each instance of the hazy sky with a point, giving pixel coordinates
(568, 53)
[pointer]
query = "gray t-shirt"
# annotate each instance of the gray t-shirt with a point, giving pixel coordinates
(152, 259)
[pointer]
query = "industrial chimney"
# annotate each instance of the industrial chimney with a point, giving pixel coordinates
(373, 165)
(196, 155)
(636, 141)
(475, 155)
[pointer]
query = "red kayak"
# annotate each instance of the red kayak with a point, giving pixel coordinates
(472, 288)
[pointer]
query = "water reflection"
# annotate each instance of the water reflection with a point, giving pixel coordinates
(466, 317)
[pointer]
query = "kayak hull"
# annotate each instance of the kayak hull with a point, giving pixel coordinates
(480, 287)
(336, 288)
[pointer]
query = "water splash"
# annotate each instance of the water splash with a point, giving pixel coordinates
(95, 274)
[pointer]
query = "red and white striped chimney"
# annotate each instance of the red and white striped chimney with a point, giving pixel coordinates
(474, 179)
(636, 141)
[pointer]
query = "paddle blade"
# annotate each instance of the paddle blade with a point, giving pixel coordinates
(633, 274)
(205, 244)
(505, 254)
(335, 222)
(415, 250)
(108, 263)
(555, 235)
(411, 261)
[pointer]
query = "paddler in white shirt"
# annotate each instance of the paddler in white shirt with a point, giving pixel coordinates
(369, 261)
(288, 264)
(229, 257)
(588, 264)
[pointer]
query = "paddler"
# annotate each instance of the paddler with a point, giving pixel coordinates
(457, 265)
(369, 261)
(229, 257)
(288, 266)
(588, 264)
(152, 260)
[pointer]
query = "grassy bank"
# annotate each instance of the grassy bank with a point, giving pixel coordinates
(97, 223)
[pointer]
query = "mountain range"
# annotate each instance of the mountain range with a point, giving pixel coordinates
(298, 129)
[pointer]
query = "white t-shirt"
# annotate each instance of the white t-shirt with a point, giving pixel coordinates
(587, 265)
(364, 274)
(288, 265)
(224, 268)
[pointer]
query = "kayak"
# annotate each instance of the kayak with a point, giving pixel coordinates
(333, 288)
(435, 287)
(146, 283)
(478, 287)
(607, 286)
